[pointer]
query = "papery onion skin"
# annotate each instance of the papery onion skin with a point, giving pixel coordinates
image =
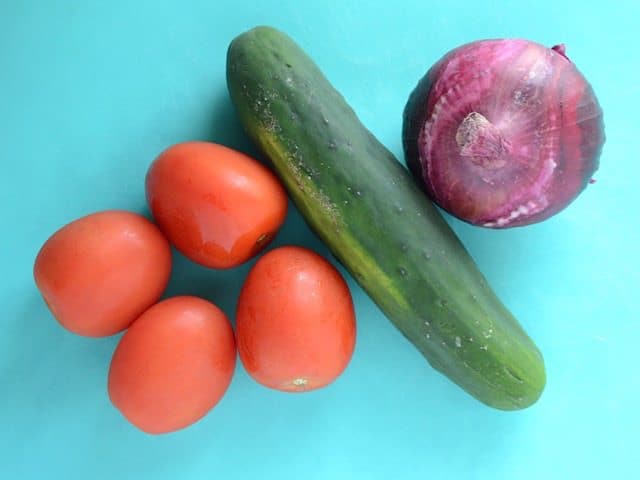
(503, 133)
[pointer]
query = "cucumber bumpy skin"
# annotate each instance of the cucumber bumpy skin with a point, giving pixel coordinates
(367, 209)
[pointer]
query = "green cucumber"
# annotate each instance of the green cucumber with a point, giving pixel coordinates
(366, 208)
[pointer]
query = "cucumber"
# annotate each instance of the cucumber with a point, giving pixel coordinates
(364, 205)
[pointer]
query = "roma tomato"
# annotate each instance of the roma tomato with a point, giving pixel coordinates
(99, 273)
(216, 205)
(172, 365)
(295, 324)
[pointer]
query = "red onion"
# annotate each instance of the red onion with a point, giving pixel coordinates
(503, 133)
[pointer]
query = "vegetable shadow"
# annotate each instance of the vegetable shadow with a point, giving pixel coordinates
(225, 126)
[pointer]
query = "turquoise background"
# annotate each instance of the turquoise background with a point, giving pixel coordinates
(91, 92)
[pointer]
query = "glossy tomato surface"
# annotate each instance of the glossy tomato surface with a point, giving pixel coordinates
(97, 274)
(218, 206)
(295, 321)
(173, 364)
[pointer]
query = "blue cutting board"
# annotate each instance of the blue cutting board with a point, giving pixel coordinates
(91, 92)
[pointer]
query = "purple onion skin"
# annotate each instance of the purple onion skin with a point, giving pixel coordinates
(503, 133)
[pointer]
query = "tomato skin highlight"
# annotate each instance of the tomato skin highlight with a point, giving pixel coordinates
(295, 321)
(217, 206)
(173, 365)
(98, 273)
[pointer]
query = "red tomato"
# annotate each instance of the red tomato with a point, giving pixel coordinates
(295, 321)
(218, 206)
(173, 365)
(99, 273)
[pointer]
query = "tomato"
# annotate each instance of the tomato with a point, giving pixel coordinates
(295, 321)
(218, 206)
(97, 274)
(173, 365)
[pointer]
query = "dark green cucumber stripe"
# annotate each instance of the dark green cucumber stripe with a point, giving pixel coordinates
(364, 205)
